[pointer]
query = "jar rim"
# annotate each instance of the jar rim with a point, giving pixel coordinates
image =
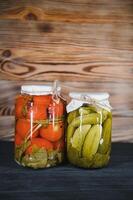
(94, 95)
(38, 89)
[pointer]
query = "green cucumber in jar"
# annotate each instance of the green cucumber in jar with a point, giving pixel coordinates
(75, 159)
(79, 137)
(84, 111)
(70, 132)
(100, 160)
(92, 109)
(93, 118)
(91, 142)
(72, 115)
(84, 162)
(106, 136)
(72, 155)
(106, 114)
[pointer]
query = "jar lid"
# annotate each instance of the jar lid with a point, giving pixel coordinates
(38, 89)
(94, 95)
(79, 98)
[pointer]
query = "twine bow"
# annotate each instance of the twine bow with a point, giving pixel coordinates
(55, 93)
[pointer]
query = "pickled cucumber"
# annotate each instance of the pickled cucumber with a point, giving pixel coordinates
(84, 111)
(92, 108)
(93, 118)
(100, 160)
(75, 159)
(105, 114)
(84, 162)
(106, 136)
(79, 136)
(91, 142)
(72, 155)
(89, 136)
(70, 132)
(72, 115)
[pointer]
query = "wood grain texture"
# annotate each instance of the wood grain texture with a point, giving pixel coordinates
(78, 11)
(93, 52)
(66, 40)
(87, 45)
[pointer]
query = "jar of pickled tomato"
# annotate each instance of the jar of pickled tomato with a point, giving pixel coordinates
(89, 130)
(39, 126)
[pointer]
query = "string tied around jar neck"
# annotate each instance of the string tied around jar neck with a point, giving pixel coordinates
(55, 92)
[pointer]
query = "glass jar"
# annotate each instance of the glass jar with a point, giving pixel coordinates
(89, 129)
(39, 129)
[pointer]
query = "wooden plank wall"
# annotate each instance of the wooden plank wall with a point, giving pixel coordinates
(87, 45)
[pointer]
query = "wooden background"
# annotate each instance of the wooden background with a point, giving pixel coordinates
(87, 45)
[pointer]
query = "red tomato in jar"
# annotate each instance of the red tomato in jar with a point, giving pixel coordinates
(56, 109)
(39, 107)
(39, 112)
(18, 139)
(53, 132)
(59, 144)
(36, 112)
(39, 143)
(23, 128)
(42, 99)
(21, 101)
(25, 105)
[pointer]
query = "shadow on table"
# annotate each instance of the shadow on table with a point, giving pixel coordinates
(121, 153)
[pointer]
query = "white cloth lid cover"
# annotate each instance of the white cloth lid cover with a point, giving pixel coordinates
(77, 100)
(98, 96)
(38, 89)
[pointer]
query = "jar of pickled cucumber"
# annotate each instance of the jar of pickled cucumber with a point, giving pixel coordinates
(89, 130)
(39, 129)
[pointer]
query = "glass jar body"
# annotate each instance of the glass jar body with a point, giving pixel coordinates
(89, 136)
(39, 130)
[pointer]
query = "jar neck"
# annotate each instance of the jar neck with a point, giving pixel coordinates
(40, 90)
(77, 102)
(89, 99)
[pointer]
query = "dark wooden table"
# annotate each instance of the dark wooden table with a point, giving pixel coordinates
(67, 182)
